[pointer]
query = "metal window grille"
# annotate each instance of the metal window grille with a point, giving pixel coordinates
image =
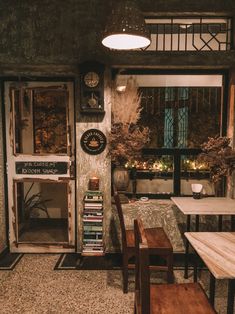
(169, 94)
(182, 127)
(183, 93)
(190, 34)
(181, 117)
(169, 128)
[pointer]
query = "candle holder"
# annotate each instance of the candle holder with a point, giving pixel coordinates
(94, 184)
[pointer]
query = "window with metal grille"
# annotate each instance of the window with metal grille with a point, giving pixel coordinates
(181, 117)
(181, 111)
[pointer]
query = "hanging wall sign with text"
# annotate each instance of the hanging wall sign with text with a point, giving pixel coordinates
(41, 167)
(93, 142)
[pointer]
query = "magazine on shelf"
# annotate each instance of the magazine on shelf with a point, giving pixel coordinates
(92, 228)
(91, 198)
(93, 205)
(93, 245)
(93, 214)
(93, 193)
(92, 219)
(93, 249)
(93, 236)
(92, 240)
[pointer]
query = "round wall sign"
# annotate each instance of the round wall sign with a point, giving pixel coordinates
(93, 141)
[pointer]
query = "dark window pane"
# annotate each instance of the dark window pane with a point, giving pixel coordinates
(182, 117)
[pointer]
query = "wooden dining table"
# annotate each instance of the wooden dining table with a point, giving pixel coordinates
(217, 250)
(217, 206)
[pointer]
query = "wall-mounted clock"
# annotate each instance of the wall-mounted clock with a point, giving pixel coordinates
(91, 79)
(92, 87)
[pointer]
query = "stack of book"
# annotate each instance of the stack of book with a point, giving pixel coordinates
(93, 223)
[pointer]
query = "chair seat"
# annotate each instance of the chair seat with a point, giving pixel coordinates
(157, 239)
(178, 299)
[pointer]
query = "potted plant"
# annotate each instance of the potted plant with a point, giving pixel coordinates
(219, 156)
(127, 137)
(32, 203)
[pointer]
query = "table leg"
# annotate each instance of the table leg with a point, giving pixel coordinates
(195, 257)
(220, 222)
(186, 248)
(197, 223)
(232, 223)
(212, 290)
(231, 291)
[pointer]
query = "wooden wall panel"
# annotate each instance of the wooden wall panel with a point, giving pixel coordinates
(3, 240)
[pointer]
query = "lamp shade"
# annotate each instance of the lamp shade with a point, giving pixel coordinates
(126, 28)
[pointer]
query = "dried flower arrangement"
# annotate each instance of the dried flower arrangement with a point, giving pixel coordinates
(126, 138)
(219, 157)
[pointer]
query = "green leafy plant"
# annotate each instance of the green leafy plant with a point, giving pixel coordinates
(34, 201)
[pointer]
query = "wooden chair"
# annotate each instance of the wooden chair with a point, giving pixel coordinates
(158, 242)
(163, 298)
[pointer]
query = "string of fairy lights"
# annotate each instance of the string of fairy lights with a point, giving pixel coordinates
(166, 165)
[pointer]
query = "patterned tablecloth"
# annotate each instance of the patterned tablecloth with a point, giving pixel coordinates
(154, 213)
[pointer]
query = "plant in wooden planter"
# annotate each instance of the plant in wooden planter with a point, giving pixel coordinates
(220, 159)
(127, 137)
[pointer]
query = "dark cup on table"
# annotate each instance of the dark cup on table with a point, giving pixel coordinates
(197, 195)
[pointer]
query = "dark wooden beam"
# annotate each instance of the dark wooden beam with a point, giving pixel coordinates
(59, 70)
(172, 60)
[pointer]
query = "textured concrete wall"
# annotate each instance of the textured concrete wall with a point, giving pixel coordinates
(47, 31)
(2, 193)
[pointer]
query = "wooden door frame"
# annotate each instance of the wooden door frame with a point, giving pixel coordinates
(41, 247)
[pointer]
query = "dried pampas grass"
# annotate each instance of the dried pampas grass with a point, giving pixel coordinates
(126, 106)
(127, 138)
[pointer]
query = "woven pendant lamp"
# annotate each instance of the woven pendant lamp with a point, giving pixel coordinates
(126, 28)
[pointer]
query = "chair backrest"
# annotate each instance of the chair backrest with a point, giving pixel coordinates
(121, 219)
(142, 275)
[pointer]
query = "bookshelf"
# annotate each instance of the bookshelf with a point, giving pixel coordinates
(93, 224)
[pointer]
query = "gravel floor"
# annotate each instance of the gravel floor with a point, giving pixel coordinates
(34, 287)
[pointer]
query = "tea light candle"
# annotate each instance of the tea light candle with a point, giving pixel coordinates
(94, 184)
